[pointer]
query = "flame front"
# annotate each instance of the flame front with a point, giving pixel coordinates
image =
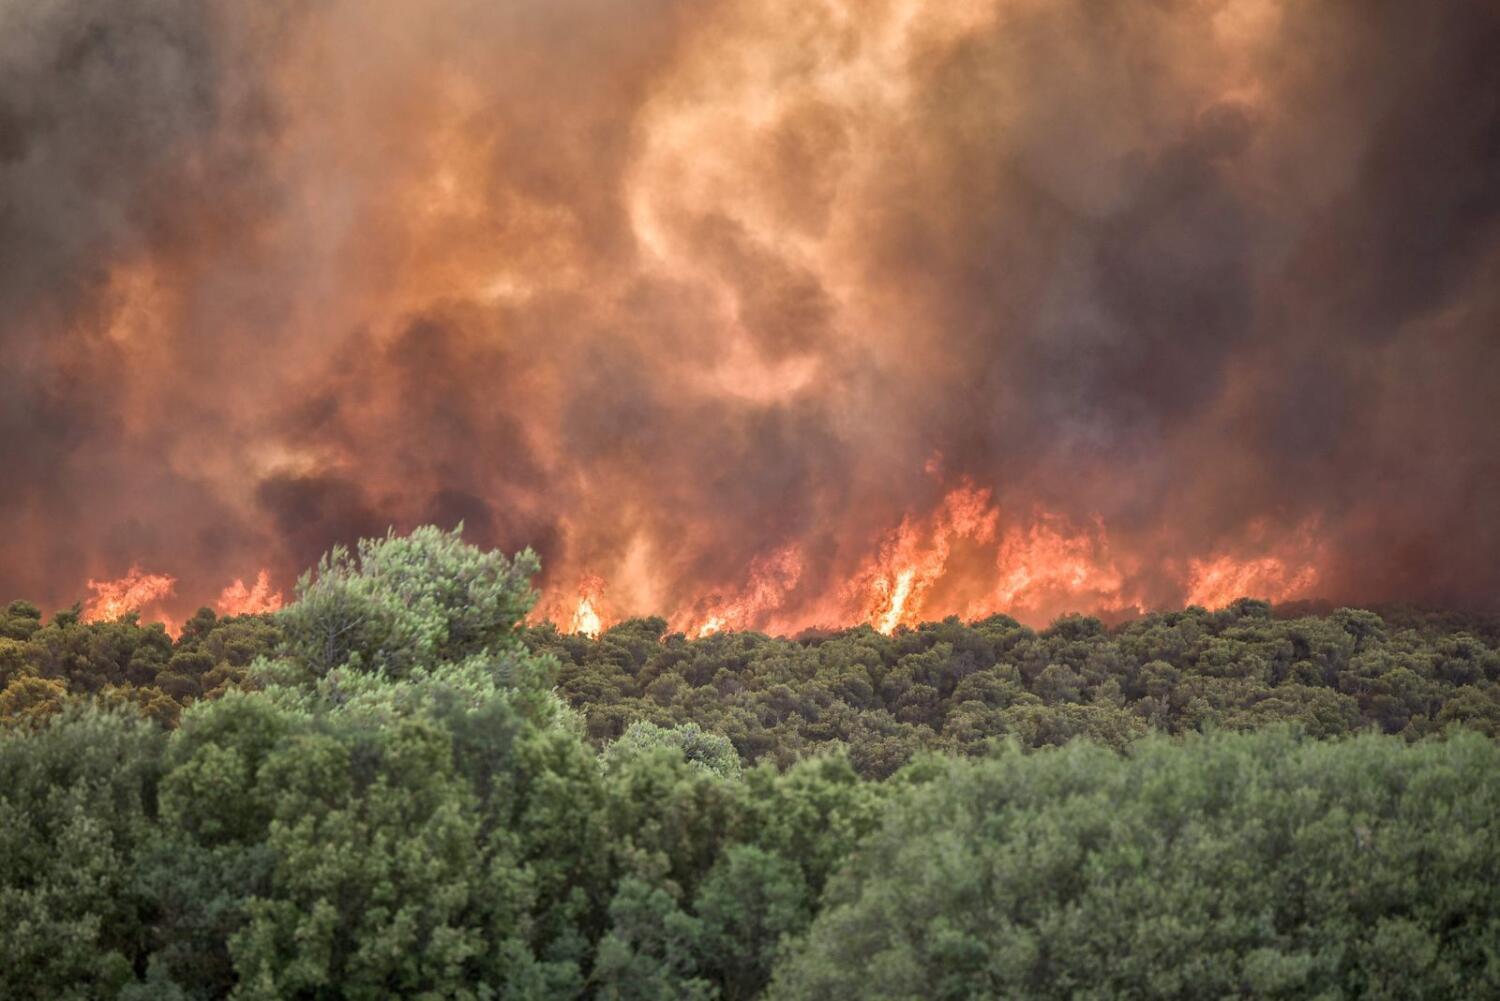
(772, 579)
(237, 599)
(968, 559)
(137, 591)
(587, 619)
(1214, 583)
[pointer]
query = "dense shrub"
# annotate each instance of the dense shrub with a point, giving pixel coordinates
(967, 687)
(1259, 866)
(427, 812)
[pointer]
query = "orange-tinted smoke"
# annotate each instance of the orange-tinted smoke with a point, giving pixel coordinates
(767, 314)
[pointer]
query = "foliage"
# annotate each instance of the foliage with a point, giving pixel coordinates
(1234, 865)
(75, 803)
(706, 750)
(416, 811)
(44, 667)
(400, 602)
(966, 688)
(944, 686)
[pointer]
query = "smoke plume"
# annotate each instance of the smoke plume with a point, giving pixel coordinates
(758, 313)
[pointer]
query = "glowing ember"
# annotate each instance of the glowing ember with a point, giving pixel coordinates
(237, 599)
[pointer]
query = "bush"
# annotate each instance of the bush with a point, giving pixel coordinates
(1259, 865)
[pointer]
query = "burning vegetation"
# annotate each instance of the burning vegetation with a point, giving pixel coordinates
(757, 314)
(972, 498)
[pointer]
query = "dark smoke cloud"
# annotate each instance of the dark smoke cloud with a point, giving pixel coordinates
(668, 291)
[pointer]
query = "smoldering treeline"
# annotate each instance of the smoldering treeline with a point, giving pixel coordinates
(664, 288)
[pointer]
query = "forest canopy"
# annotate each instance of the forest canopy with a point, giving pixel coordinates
(396, 786)
(397, 604)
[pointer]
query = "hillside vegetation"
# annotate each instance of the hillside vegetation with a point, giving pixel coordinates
(392, 788)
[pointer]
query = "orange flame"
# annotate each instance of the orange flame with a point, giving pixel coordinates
(237, 599)
(960, 558)
(913, 558)
(134, 592)
(586, 617)
(772, 578)
(1214, 583)
(1049, 568)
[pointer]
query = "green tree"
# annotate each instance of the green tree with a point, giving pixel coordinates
(752, 902)
(1236, 865)
(709, 751)
(75, 803)
(20, 620)
(30, 701)
(404, 601)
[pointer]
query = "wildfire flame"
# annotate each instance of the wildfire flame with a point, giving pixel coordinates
(894, 597)
(237, 599)
(663, 292)
(915, 557)
(964, 558)
(134, 592)
(142, 592)
(587, 619)
(771, 580)
(1048, 566)
(1214, 583)
(968, 558)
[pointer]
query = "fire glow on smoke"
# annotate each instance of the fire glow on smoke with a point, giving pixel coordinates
(766, 314)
